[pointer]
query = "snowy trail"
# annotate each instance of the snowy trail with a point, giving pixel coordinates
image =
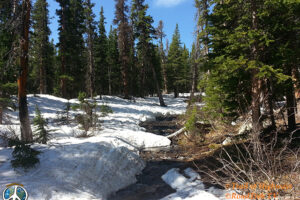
(91, 168)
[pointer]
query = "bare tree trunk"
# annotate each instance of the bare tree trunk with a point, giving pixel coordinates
(194, 80)
(161, 99)
(26, 133)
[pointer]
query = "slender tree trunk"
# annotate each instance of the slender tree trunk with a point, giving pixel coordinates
(176, 92)
(42, 78)
(1, 114)
(161, 99)
(26, 133)
(290, 102)
(295, 75)
(194, 80)
(109, 80)
(256, 82)
(63, 83)
(269, 92)
(163, 62)
(143, 80)
(125, 78)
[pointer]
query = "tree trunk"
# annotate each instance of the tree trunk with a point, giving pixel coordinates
(296, 78)
(26, 133)
(63, 58)
(1, 114)
(269, 102)
(256, 83)
(125, 78)
(176, 92)
(161, 99)
(109, 80)
(42, 78)
(194, 80)
(290, 102)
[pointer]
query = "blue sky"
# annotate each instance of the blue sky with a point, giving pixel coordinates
(170, 11)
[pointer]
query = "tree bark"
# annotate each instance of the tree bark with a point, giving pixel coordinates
(91, 71)
(42, 78)
(269, 102)
(290, 102)
(161, 99)
(1, 114)
(63, 80)
(256, 82)
(26, 132)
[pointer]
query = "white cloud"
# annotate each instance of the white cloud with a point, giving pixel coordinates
(168, 3)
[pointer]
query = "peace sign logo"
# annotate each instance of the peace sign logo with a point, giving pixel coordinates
(15, 192)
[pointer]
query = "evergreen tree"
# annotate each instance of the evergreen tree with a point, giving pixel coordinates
(26, 132)
(101, 57)
(42, 134)
(71, 46)
(7, 67)
(160, 35)
(90, 32)
(186, 70)
(114, 72)
(41, 50)
(245, 66)
(145, 32)
(174, 69)
(121, 20)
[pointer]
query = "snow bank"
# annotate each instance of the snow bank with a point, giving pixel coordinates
(90, 168)
(191, 188)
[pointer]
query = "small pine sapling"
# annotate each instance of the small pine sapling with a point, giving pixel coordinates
(89, 118)
(40, 124)
(24, 156)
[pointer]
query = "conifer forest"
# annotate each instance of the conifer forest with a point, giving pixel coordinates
(101, 100)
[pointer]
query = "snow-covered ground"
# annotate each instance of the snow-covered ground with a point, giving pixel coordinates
(87, 168)
(94, 167)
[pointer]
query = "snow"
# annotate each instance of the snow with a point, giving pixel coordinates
(86, 168)
(188, 186)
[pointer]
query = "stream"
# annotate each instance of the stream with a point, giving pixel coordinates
(149, 185)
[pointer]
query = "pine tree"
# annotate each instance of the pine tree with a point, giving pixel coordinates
(101, 57)
(71, 46)
(121, 20)
(145, 32)
(90, 32)
(160, 34)
(26, 132)
(114, 73)
(42, 134)
(174, 70)
(41, 52)
(7, 66)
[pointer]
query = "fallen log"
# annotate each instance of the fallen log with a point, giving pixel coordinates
(176, 133)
